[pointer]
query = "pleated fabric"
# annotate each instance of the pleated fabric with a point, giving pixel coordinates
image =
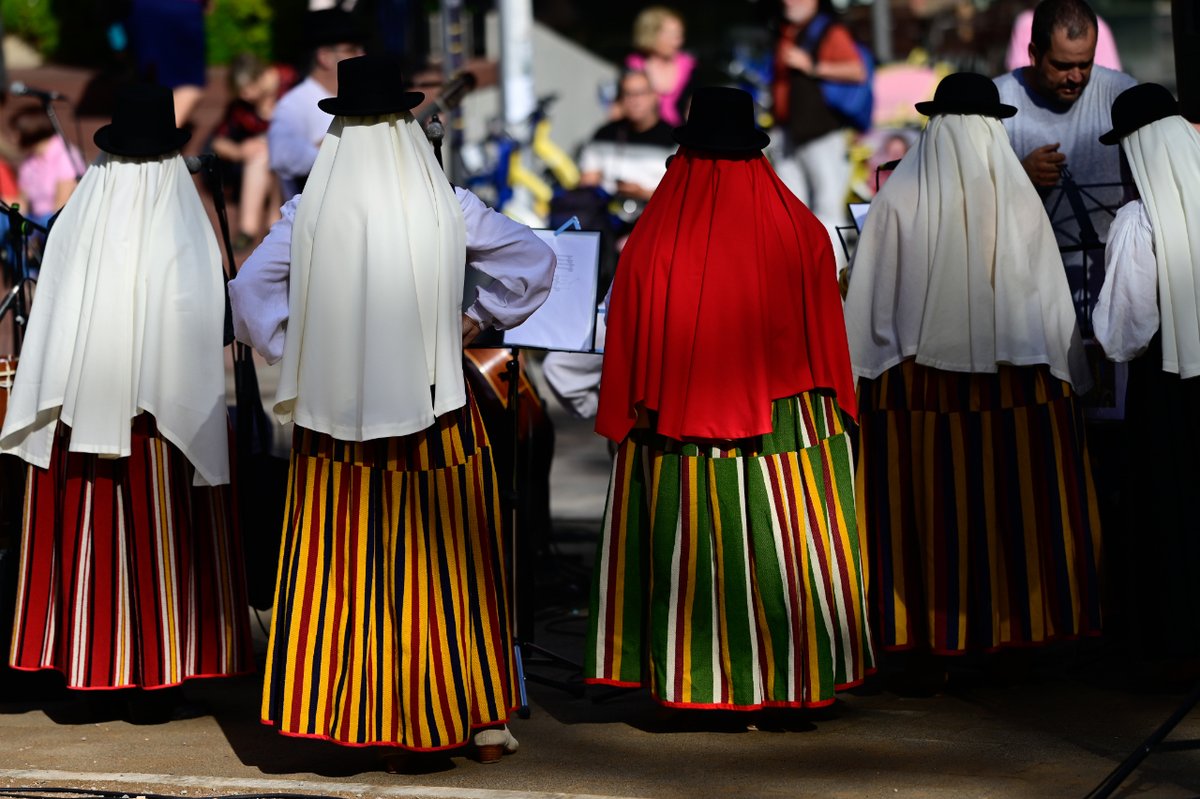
(977, 502)
(129, 575)
(391, 625)
(730, 575)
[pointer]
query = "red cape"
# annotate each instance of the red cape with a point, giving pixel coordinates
(725, 299)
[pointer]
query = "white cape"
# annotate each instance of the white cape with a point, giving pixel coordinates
(1164, 157)
(957, 265)
(128, 317)
(373, 346)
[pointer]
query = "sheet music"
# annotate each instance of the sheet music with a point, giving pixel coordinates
(566, 321)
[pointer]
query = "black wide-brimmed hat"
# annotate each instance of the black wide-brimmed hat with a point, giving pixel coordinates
(143, 123)
(1137, 106)
(331, 26)
(721, 119)
(370, 85)
(966, 93)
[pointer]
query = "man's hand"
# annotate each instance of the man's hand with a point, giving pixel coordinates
(1044, 165)
(797, 58)
(470, 329)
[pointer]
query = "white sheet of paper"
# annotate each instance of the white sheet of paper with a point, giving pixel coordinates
(567, 319)
(858, 212)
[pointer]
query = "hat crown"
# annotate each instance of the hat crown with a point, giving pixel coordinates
(721, 118)
(963, 88)
(1140, 105)
(370, 85)
(143, 123)
(966, 93)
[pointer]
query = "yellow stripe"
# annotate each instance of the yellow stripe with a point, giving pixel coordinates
(688, 478)
(809, 587)
(617, 596)
(962, 502)
(1033, 565)
(848, 561)
(895, 504)
(718, 532)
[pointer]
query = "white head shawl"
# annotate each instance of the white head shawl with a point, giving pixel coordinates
(957, 264)
(128, 317)
(1164, 157)
(378, 257)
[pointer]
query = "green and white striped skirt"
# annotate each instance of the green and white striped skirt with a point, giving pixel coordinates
(729, 574)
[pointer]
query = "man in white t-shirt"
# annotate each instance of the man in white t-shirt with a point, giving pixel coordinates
(1064, 102)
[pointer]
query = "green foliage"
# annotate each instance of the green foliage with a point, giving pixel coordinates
(238, 26)
(33, 21)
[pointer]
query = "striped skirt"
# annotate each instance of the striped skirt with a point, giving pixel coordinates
(732, 577)
(977, 502)
(129, 575)
(391, 625)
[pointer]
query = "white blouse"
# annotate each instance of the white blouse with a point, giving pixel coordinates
(518, 269)
(1126, 315)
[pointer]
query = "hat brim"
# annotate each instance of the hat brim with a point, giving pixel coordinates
(406, 102)
(1114, 136)
(758, 140)
(139, 148)
(1000, 110)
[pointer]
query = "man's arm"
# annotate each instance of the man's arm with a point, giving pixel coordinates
(258, 295)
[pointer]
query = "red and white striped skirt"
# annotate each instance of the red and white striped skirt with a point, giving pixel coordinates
(129, 575)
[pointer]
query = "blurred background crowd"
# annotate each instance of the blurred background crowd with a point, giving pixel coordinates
(611, 80)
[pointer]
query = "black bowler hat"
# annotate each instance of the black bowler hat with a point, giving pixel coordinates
(143, 123)
(1139, 105)
(331, 26)
(721, 119)
(370, 85)
(966, 93)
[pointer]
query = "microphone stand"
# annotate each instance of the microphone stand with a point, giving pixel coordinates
(19, 228)
(48, 107)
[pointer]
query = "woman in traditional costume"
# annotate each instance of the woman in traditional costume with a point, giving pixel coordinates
(1148, 314)
(975, 490)
(391, 623)
(729, 573)
(131, 567)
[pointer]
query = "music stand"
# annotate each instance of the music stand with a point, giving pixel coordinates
(566, 323)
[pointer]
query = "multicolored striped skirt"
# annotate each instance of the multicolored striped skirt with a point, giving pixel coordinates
(977, 502)
(391, 625)
(731, 576)
(129, 575)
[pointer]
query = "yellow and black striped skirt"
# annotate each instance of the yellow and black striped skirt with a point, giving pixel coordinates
(391, 625)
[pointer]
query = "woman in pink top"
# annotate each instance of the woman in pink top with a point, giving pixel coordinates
(49, 172)
(658, 37)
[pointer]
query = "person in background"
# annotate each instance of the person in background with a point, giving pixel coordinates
(1022, 34)
(974, 482)
(168, 44)
(658, 42)
(1148, 314)
(241, 142)
(811, 153)
(48, 174)
(298, 126)
(1064, 100)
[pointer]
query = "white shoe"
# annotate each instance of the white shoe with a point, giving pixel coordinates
(491, 745)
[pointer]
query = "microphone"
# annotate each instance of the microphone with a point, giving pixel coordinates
(450, 96)
(18, 89)
(195, 163)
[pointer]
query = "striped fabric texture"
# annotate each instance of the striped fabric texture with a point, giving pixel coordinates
(732, 577)
(976, 498)
(391, 625)
(129, 575)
